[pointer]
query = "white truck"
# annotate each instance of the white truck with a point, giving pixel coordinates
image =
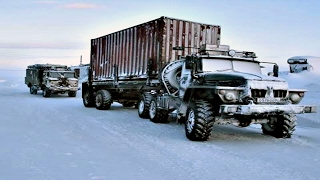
(171, 68)
(223, 86)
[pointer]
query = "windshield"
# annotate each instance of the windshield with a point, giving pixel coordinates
(59, 74)
(232, 65)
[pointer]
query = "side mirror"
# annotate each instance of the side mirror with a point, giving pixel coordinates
(275, 70)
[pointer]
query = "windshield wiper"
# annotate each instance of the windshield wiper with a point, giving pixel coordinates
(224, 70)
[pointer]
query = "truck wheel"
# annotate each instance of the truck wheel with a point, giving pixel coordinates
(72, 93)
(144, 104)
(281, 126)
(46, 92)
(103, 100)
(157, 115)
(199, 121)
(33, 90)
(88, 99)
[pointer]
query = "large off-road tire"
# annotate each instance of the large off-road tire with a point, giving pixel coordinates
(281, 126)
(72, 93)
(46, 92)
(144, 104)
(157, 115)
(88, 99)
(103, 100)
(199, 120)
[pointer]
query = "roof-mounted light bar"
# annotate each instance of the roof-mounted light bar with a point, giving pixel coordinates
(210, 49)
(249, 54)
(215, 48)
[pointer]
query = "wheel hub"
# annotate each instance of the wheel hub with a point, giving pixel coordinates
(86, 99)
(190, 121)
(141, 106)
(98, 100)
(152, 109)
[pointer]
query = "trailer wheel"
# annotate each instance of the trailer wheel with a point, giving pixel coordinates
(88, 99)
(281, 126)
(157, 115)
(103, 100)
(199, 121)
(144, 104)
(72, 93)
(46, 92)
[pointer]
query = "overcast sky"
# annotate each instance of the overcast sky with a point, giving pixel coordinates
(57, 31)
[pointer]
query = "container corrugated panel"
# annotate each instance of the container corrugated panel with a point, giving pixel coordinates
(131, 49)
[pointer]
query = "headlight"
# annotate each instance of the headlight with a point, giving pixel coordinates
(232, 53)
(229, 96)
(296, 97)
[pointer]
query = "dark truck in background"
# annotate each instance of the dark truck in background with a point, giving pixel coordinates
(52, 79)
(298, 64)
(175, 68)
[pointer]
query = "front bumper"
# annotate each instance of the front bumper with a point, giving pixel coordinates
(63, 89)
(266, 109)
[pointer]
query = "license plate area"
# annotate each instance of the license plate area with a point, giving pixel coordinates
(268, 100)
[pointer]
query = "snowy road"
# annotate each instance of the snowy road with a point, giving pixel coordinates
(58, 138)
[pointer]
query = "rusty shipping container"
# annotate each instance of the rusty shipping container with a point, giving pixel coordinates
(131, 49)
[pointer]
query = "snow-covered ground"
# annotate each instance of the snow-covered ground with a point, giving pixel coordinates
(58, 138)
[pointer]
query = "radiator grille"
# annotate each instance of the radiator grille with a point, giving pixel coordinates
(260, 93)
(228, 83)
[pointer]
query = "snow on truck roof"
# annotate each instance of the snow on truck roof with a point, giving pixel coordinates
(47, 66)
(303, 59)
